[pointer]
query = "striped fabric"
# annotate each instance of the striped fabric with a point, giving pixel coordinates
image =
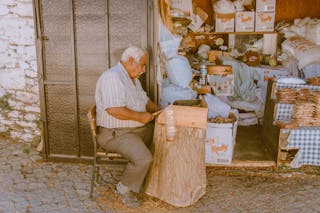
(116, 89)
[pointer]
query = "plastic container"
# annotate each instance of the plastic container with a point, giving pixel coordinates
(203, 75)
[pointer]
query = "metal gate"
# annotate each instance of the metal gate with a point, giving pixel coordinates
(77, 40)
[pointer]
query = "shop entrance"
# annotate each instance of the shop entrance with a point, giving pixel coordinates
(256, 145)
(249, 145)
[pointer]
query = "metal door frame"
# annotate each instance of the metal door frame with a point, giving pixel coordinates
(41, 38)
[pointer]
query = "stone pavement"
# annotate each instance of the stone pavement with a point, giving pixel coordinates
(28, 184)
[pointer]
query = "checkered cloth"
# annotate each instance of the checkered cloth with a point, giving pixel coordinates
(283, 111)
(307, 139)
(294, 86)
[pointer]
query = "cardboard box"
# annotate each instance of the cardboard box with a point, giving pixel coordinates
(245, 21)
(265, 5)
(220, 142)
(224, 22)
(265, 21)
(198, 18)
(270, 43)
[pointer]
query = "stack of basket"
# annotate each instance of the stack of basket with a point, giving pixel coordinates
(316, 101)
(304, 95)
(304, 112)
(286, 95)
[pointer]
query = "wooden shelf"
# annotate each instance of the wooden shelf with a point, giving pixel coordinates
(245, 163)
(236, 33)
(252, 33)
(285, 9)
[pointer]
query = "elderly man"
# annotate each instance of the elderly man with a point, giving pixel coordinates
(123, 114)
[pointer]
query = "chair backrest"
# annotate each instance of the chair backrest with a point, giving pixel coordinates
(97, 152)
(92, 120)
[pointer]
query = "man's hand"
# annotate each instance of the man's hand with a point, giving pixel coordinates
(146, 117)
(151, 107)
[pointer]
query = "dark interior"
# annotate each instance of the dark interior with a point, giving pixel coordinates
(249, 145)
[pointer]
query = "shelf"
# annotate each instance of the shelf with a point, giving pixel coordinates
(236, 33)
(249, 33)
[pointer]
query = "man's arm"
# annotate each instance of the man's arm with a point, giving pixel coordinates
(123, 113)
(151, 107)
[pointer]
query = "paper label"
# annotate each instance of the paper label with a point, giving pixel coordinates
(265, 21)
(245, 22)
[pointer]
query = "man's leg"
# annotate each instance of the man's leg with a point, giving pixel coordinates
(130, 145)
(132, 148)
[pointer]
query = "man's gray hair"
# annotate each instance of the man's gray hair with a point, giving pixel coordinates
(134, 52)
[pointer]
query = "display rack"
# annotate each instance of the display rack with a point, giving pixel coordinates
(304, 141)
(233, 39)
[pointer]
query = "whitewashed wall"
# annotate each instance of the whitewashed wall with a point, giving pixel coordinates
(19, 93)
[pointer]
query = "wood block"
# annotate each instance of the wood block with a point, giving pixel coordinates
(187, 116)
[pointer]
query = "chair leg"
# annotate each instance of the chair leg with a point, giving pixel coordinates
(98, 174)
(93, 178)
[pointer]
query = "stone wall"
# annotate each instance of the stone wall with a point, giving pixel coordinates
(19, 93)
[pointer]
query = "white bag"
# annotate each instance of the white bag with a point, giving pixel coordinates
(224, 7)
(170, 93)
(248, 122)
(255, 105)
(169, 43)
(303, 50)
(311, 71)
(216, 107)
(313, 31)
(179, 71)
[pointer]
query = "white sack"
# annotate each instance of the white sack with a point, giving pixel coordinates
(256, 106)
(248, 122)
(303, 50)
(313, 31)
(169, 43)
(216, 107)
(179, 71)
(238, 5)
(301, 31)
(311, 71)
(249, 115)
(170, 93)
(288, 33)
(224, 7)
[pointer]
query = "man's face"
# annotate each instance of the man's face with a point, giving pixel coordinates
(138, 69)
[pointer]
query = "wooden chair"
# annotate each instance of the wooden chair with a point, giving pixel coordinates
(98, 152)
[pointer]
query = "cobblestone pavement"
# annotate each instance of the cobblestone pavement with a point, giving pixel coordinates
(28, 184)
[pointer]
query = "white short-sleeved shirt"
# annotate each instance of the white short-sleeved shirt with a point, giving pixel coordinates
(115, 88)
